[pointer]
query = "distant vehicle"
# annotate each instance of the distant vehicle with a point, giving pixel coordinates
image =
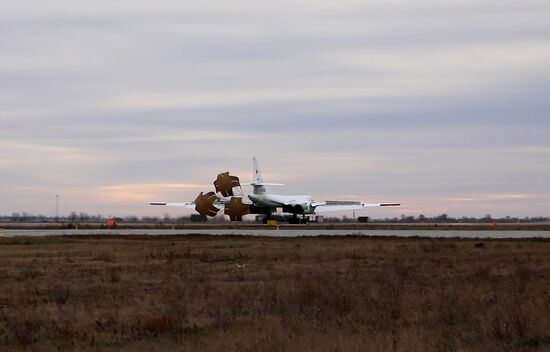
(111, 223)
(236, 205)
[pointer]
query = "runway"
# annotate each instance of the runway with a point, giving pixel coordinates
(274, 232)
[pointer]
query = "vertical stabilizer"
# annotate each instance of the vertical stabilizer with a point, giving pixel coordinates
(256, 173)
(257, 179)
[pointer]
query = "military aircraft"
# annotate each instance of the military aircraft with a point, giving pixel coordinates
(236, 205)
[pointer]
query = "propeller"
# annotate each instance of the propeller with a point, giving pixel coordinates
(204, 204)
(236, 209)
(225, 184)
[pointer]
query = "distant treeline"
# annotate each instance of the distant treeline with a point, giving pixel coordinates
(444, 218)
(81, 217)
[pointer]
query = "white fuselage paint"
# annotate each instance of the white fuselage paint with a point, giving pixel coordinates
(277, 200)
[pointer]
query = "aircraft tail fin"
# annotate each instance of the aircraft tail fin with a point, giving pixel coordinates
(257, 179)
(256, 173)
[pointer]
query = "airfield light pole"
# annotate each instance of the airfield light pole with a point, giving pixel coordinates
(57, 208)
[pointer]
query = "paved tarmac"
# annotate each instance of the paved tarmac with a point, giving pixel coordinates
(274, 232)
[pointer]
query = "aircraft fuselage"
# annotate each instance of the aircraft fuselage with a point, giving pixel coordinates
(298, 204)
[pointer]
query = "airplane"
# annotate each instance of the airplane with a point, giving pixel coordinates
(236, 205)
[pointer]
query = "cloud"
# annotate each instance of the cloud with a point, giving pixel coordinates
(418, 102)
(496, 197)
(143, 192)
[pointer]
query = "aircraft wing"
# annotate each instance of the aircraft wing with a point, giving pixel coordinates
(332, 205)
(187, 205)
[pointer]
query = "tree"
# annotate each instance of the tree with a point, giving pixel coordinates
(73, 216)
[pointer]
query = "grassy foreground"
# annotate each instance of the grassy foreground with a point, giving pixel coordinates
(273, 294)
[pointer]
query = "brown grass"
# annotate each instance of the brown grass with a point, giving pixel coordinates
(273, 294)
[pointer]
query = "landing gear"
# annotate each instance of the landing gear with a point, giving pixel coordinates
(295, 220)
(267, 217)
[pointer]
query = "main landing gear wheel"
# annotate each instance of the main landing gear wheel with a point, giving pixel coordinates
(295, 220)
(266, 218)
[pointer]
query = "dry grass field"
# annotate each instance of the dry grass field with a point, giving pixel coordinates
(273, 294)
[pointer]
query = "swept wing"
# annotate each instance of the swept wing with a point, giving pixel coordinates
(188, 205)
(335, 205)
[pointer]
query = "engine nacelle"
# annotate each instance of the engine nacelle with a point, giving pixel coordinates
(294, 209)
(298, 209)
(260, 210)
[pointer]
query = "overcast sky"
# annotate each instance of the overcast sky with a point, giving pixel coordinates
(440, 105)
